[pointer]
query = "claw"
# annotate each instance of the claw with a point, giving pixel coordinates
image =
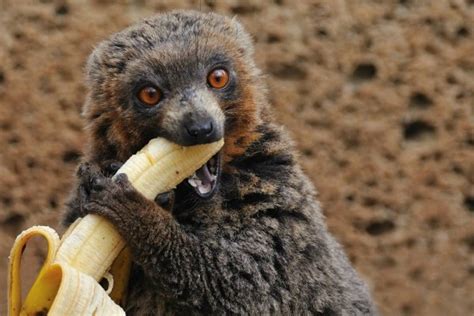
(97, 183)
(113, 167)
(121, 178)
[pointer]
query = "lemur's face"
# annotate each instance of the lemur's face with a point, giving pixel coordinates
(186, 77)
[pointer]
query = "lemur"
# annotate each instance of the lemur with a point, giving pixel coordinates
(249, 237)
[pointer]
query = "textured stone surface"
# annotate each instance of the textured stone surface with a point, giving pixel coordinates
(377, 94)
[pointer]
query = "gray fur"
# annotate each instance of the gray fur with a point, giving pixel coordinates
(260, 244)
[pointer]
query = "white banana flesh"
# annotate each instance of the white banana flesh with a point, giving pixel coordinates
(79, 294)
(91, 247)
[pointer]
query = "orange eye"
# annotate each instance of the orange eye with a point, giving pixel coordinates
(149, 95)
(218, 78)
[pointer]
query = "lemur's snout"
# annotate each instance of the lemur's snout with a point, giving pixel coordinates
(193, 117)
(201, 131)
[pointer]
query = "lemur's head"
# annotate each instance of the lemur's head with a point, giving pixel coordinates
(185, 76)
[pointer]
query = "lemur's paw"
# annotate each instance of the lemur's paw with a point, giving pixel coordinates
(85, 172)
(115, 199)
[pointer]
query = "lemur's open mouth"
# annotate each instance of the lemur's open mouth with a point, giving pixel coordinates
(205, 179)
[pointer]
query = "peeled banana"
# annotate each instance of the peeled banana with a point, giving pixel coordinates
(67, 284)
(162, 165)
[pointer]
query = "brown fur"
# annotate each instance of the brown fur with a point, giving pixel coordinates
(259, 244)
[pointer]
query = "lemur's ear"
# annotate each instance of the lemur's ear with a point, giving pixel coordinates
(92, 70)
(94, 77)
(106, 60)
(242, 36)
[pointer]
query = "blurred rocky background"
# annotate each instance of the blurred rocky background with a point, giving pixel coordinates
(378, 95)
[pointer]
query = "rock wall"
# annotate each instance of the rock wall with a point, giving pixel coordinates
(377, 94)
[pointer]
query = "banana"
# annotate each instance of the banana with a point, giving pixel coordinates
(63, 290)
(92, 249)
(14, 266)
(120, 271)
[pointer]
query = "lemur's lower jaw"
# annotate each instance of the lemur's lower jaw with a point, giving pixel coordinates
(205, 180)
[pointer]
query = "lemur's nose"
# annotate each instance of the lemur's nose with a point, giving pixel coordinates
(200, 132)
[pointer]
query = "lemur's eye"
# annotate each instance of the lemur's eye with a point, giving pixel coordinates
(149, 95)
(218, 78)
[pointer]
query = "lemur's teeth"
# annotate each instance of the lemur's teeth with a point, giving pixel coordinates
(194, 182)
(204, 188)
